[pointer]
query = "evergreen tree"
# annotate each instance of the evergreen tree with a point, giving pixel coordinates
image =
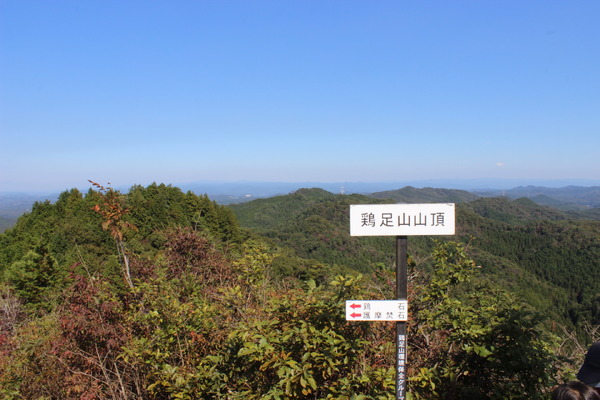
(36, 279)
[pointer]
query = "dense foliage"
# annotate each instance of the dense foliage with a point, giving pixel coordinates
(159, 294)
(539, 253)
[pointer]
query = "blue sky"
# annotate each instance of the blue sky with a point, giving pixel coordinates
(131, 92)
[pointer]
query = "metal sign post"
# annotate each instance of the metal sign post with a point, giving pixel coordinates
(400, 220)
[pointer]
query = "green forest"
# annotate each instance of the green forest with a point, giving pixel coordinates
(160, 294)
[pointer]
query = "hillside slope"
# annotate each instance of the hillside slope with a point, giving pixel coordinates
(410, 194)
(538, 252)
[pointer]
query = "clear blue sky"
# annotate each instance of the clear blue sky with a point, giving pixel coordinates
(178, 91)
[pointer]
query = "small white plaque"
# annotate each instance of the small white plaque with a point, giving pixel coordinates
(376, 310)
(402, 219)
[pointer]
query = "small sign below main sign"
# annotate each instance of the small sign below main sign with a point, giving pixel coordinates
(402, 219)
(376, 310)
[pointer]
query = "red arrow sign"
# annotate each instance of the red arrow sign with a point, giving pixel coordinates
(377, 310)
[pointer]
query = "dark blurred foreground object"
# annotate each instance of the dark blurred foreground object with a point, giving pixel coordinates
(589, 373)
(575, 391)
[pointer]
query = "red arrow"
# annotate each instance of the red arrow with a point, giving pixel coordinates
(355, 315)
(355, 306)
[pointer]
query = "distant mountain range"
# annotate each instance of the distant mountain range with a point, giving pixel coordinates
(569, 197)
(576, 199)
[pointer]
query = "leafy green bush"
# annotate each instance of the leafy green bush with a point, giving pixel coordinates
(471, 341)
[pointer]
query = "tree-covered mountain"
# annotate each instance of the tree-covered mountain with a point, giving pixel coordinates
(538, 252)
(314, 224)
(519, 211)
(410, 194)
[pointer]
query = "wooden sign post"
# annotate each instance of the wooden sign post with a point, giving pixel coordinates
(400, 220)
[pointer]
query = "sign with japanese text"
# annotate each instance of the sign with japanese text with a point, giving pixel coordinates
(376, 310)
(402, 219)
(401, 367)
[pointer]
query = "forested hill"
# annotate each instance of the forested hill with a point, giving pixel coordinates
(541, 253)
(519, 211)
(314, 223)
(410, 194)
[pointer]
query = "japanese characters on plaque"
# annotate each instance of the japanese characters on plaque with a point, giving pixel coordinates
(376, 310)
(401, 367)
(402, 219)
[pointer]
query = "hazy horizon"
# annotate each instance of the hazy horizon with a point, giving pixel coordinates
(266, 188)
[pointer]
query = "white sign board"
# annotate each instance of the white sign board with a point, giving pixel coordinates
(376, 310)
(402, 219)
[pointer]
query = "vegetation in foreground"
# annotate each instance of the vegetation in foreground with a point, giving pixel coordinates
(159, 294)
